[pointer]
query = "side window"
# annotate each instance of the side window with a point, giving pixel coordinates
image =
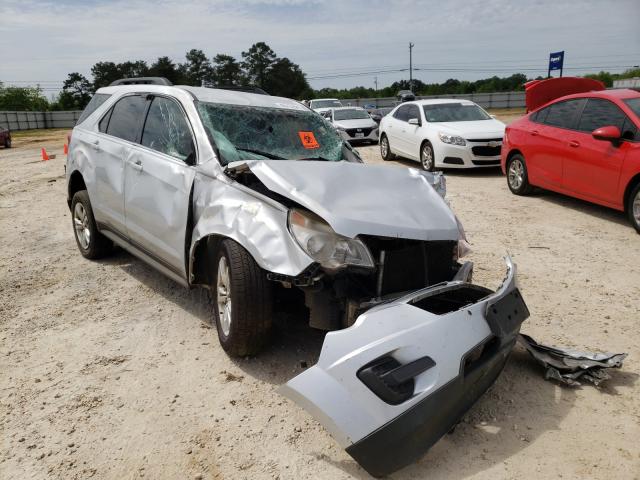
(97, 100)
(629, 131)
(413, 112)
(563, 114)
(166, 130)
(402, 113)
(104, 123)
(126, 117)
(540, 116)
(600, 113)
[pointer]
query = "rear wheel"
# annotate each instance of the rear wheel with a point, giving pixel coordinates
(633, 207)
(7, 143)
(385, 148)
(243, 302)
(91, 243)
(517, 177)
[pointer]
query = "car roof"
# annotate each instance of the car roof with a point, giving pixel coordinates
(317, 99)
(436, 101)
(347, 108)
(621, 93)
(212, 95)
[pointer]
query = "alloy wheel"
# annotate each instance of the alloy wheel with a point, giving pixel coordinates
(81, 225)
(223, 289)
(636, 207)
(384, 147)
(516, 174)
(426, 157)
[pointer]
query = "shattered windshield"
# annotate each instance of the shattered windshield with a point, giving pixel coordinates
(241, 132)
(454, 112)
(350, 114)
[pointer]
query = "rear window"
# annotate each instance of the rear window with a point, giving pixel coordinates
(634, 104)
(97, 100)
(126, 118)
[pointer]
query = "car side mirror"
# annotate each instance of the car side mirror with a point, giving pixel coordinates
(414, 121)
(609, 133)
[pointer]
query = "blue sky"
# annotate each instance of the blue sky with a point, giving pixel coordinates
(44, 40)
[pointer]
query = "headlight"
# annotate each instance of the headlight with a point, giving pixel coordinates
(325, 246)
(452, 139)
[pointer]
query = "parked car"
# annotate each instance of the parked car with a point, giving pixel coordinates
(354, 124)
(442, 133)
(321, 105)
(585, 145)
(259, 200)
(405, 96)
(378, 113)
(5, 137)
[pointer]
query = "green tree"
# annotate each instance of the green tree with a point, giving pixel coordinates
(227, 71)
(285, 79)
(104, 73)
(257, 61)
(164, 67)
(23, 99)
(76, 92)
(198, 68)
(138, 68)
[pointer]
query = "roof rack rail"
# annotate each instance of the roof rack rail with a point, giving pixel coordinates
(245, 88)
(142, 81)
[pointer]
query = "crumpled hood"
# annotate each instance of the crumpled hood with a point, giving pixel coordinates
(358, 199)
(477, 129)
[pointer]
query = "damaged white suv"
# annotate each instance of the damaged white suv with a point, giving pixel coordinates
(258, 199)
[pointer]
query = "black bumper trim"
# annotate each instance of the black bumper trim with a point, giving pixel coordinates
(407, 437)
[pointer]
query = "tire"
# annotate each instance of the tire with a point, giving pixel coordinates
(7, 143)
(385, 149)
(633, 207)
(517, 176)
(427, 157)
(242, 301)
(91, 243)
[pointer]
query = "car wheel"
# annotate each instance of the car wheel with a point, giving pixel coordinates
(385, 149)
(91, 243)
(517, 177)
(242, 301)
(633, 208)
(7, 143)
(427, 159)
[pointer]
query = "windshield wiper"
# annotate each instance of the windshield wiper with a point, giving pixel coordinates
(259, 152)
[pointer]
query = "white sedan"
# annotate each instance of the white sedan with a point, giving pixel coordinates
(449, 133)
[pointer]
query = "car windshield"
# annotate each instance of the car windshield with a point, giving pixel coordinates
(634, 104)
(241, 132)
(350, 114)
(325, 103)
(454, 112)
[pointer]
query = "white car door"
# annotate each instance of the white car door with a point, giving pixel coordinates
(410, 132)
(158, 179)
(395, 124)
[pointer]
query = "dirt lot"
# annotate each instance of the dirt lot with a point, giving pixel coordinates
(109, 370)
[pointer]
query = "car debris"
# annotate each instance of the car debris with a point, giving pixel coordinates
(567, 365)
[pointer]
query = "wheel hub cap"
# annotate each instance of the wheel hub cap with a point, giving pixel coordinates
(223, 293)
(384, 147)
(636, 208)
(81, 225)
(516, 174)
(427, 157)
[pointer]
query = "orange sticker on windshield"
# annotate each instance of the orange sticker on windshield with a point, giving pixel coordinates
(308, 140)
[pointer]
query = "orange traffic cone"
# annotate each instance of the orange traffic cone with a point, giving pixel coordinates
(66, 149)
(44, 155)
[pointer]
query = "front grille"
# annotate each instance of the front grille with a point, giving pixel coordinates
(352, 131)
(486, 151)
(485, 162)
(484, 140)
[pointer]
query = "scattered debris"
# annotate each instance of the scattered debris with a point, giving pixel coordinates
(230, 377)
(567, 366)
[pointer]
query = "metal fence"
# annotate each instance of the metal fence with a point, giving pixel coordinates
(485, 100)
(28, 120)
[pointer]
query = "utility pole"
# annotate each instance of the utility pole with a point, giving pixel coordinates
(410, 67)
(375, 81)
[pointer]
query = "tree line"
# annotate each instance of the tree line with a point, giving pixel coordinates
(259, 66)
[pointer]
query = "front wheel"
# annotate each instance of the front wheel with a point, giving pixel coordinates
(517, 177)
(427, 159)
(633, 208)
(243, 299)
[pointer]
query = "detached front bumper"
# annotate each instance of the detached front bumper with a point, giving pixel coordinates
(404, 374)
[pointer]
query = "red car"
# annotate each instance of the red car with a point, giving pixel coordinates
(5, 137)
(585, 145)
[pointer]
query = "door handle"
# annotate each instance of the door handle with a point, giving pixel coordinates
(96, 145)
(137, 165)
(574, 144)
(534, 133)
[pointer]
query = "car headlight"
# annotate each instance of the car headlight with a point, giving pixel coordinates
(328, 248)
(452, 139)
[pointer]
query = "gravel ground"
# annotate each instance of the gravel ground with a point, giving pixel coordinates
(109, 370)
